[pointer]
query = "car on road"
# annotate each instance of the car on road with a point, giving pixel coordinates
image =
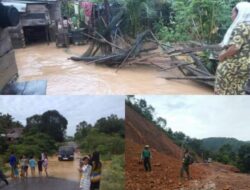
(66, 153)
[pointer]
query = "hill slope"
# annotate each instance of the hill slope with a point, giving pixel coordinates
(166, 162)
(214, 144)
(141, 131)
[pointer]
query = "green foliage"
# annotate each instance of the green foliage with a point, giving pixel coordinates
(138, 14)
(33, 145)
(7, 122)
(3, 145)
(106, 136)
(113, 177)
(51, 123)
(226, 155)
(111, 125)
(201, 20)
(214, 144)
(67, 8)
(244, 158)
(141, 106)
(82, 130)
(104, 143)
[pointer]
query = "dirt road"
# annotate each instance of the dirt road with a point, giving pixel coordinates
(65, 77)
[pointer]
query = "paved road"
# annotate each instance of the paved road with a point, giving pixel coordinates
(41, 184)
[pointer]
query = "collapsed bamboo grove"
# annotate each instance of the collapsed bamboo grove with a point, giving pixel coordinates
(111, 44)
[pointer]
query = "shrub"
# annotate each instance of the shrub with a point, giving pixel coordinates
(113, 176)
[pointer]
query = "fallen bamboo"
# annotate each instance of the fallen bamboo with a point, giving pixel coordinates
(176, 66)
(191, 78)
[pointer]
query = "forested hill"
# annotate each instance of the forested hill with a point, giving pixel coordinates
(215, 143)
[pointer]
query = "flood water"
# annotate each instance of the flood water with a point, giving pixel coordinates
(66, 77)
(63, 175)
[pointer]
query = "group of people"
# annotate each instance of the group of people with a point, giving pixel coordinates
(90, 172)
(187, 160)
(21, 167)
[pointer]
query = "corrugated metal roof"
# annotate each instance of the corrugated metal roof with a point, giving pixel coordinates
(21, 7)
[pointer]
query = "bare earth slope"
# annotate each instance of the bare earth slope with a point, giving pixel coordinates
(166, 163)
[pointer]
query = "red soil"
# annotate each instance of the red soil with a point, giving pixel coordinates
(166, 163)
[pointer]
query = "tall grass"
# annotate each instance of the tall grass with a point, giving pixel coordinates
(114, 175)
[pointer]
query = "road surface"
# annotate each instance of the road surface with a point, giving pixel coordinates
(63, 175)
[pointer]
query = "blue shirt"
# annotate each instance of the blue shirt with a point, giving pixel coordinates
(32, 163)
(12, 160)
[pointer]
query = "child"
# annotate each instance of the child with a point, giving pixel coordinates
(45, 165)
(32, 164)
(86, 172)
(40, 166)
(24, 166)
(16, 172)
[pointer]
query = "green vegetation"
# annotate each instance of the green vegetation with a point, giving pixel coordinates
(51, 123)
(173, 20)
(113, 175)
(105, 136)
(41, 134)
(34, 145)
(225, 150)
(214, 144)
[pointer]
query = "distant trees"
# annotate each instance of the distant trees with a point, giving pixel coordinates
(147, 111)
(33, 145)
(244, 158)
(106, 135)
(51, 123)
(8, 122)
(226, 155)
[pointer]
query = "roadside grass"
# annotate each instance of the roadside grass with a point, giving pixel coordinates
(113, 174)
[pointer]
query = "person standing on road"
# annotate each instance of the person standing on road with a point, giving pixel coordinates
(40, 166)
(186, 162)
(96, 171)
(45, 165)
(32, 164)
(42, 156)
(85, 170)
(3, 178)
(24, 166)
(13, 163)
(146, 158)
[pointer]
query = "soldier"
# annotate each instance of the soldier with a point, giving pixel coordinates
(187, 160)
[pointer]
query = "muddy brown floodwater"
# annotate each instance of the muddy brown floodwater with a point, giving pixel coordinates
(66, 77)
(64, 169)
(63, 175)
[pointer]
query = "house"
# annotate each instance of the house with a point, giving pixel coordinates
(38, 19)
(14, 134)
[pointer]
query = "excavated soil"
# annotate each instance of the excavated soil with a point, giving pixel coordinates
(166, 163)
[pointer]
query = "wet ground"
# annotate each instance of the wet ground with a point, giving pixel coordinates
(63, 175)
(65, 77)
(41, 184)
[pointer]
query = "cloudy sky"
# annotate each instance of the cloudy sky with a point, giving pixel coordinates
(205, 116)
(74, 108)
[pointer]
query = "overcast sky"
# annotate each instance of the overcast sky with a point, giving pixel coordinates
(205, 116)
(74, 108)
